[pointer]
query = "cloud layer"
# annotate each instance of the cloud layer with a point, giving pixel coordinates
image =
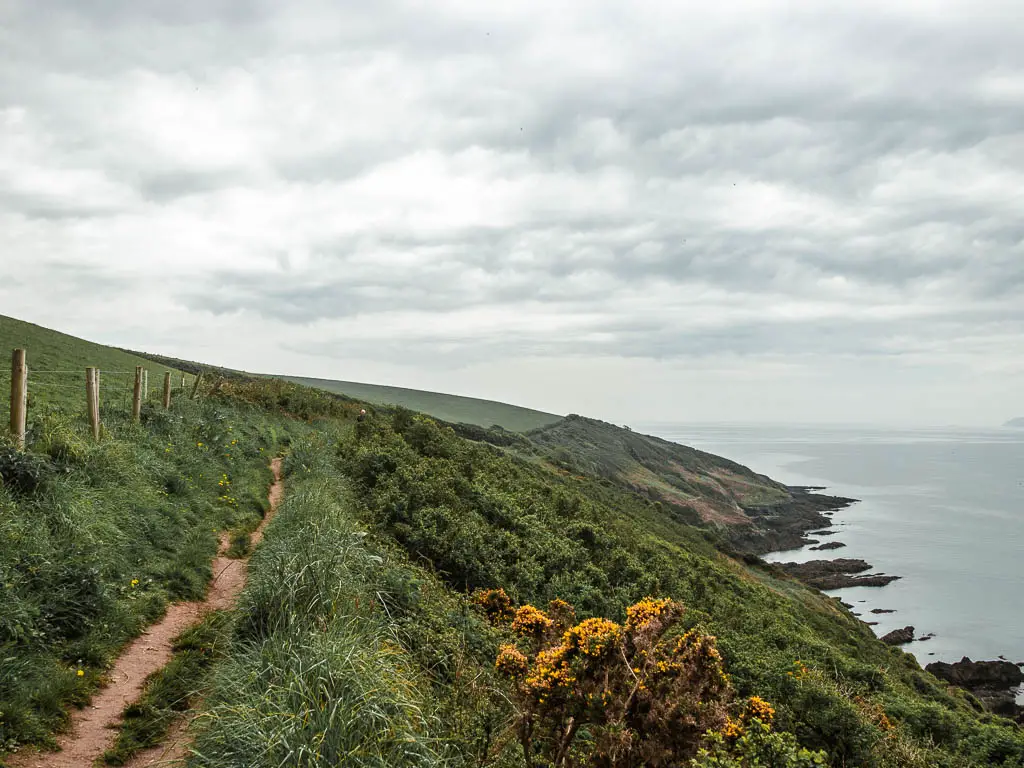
(614, 199)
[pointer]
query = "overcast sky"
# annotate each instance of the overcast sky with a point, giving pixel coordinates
(751, 211)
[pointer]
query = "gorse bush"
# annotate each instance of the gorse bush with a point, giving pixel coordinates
(622, 696)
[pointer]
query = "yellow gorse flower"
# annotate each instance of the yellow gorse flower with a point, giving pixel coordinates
(646, 611)
(760, 709)
(511, 661)
(732, 729)
(592, 637)
(531, 622)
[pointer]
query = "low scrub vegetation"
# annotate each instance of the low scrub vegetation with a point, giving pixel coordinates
(426, 599)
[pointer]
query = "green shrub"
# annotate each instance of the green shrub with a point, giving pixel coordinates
(23, 472)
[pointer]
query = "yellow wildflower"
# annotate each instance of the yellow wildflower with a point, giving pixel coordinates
(758, 708)
(510, 661)
(593, 637)
(531, 622)
(495, 602)
(646, 611)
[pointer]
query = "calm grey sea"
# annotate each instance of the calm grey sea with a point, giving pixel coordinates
(943, 508)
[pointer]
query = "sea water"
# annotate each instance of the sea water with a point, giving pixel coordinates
(941, 508)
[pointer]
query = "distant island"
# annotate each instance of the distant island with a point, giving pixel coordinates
(1017, 423)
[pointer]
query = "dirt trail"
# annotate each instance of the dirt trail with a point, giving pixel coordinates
(93, 728)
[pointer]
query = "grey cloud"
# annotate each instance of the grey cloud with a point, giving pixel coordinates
(781, 159)
(163, 186)
(877, 339)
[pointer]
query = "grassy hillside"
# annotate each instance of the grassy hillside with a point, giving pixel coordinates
(714, 489)
(362, 637)
(408, 520)
(57, 362)
(453, 408)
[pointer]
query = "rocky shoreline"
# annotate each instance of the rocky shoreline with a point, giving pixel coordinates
(790, 526)
(785, 526)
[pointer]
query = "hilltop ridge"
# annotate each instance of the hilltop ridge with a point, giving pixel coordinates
(712, 488)
(447, 407)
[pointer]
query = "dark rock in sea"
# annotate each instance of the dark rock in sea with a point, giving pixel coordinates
(822, 533)
(929, 636)
(883, 610)
(898, 636)
(845, 605)
(978, 674)
(871, 623)
(992, 682)
(830, 545)
(836, 574)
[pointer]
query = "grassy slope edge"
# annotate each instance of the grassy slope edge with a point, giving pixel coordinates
(451, 408)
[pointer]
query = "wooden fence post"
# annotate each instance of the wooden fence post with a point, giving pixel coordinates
(137, 395)
(167, 390)
(145, 384)
(19, 397)
(183, 381)
(92, 397)
(195, 385)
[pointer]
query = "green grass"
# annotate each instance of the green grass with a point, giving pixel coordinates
(317, 674)
(453, 408)
(99, 538)
(50, 351)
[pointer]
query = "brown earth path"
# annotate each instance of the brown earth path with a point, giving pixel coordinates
(93, 728)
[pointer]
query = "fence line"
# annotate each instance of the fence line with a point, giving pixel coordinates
(107, 393)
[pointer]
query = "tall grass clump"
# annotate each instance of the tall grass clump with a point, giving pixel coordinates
(97, 538)
(317, 675)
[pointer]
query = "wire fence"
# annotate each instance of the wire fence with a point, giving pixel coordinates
(112, 399)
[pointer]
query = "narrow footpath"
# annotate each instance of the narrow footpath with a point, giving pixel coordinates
(93, 728)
